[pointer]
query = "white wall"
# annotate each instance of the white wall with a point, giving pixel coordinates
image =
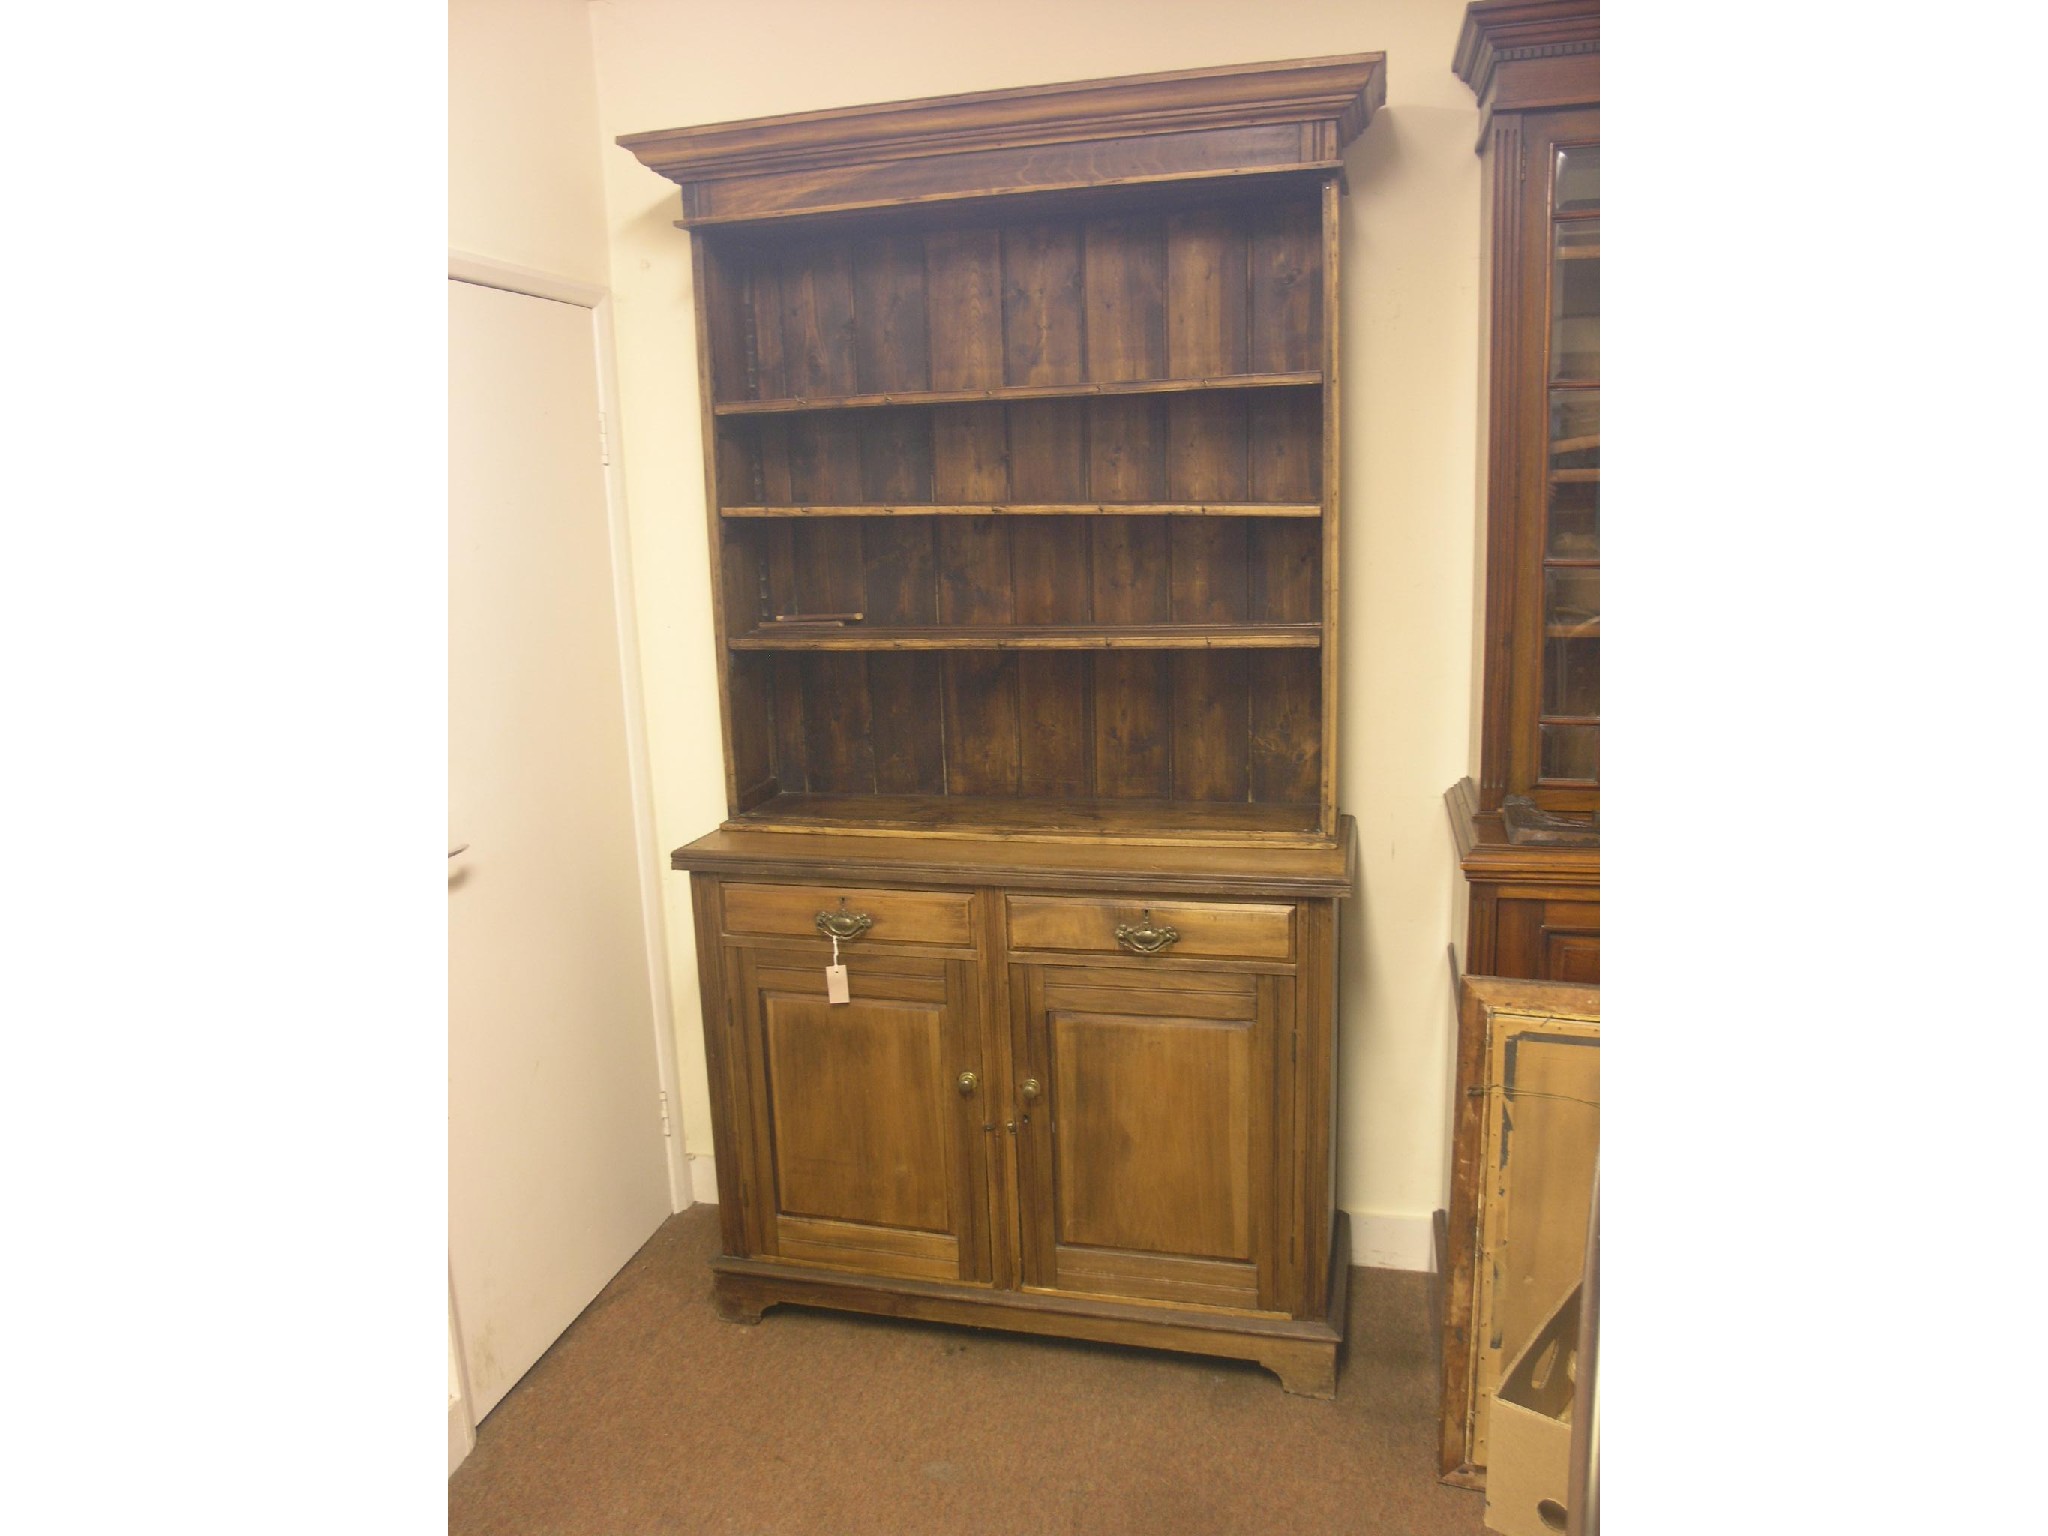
(525, 184)
(1410, 338)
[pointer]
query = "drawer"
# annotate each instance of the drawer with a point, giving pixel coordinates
(896, 917)
(1206, 929)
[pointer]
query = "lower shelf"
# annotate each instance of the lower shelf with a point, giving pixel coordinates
(1302, 1353)
(1137, 821)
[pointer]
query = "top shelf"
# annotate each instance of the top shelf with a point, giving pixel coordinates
(1306, 380)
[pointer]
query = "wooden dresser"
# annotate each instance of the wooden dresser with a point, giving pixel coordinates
(1020, 421)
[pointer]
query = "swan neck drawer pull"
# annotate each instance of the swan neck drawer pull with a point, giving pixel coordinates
(1147, 938)
(844, 924)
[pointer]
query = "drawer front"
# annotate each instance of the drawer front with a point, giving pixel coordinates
(896, 917)
(1208, 929)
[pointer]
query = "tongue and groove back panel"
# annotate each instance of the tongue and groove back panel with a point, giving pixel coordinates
(895, 496)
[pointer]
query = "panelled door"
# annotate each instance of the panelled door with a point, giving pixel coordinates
(1145, 1138)
(867, 1149)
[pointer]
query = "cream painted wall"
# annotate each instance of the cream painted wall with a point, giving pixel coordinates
(1410, 338)
(525, 183)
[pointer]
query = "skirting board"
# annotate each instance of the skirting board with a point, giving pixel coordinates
(1378, 1240)
(703, 1179)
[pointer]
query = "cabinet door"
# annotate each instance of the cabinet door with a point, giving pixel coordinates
(1146, 1160)
(864, 1151)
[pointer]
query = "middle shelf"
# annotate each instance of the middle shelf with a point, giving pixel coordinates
(1022, 637)
(788, 405)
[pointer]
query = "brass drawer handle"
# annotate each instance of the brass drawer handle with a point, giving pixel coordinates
(844, 924)
(1147, 938)
(968, 1083)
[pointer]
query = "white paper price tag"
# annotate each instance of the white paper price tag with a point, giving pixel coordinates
(835, 984)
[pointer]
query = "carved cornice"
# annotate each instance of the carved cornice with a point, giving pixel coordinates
(1329, 99)
(1500, 32)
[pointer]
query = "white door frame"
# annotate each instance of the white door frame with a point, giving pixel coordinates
(486, 273)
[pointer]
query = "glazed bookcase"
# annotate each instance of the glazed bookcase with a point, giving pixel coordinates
(1020, 427)
(1527, 832)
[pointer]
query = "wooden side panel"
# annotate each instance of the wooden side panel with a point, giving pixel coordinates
(721, 1064)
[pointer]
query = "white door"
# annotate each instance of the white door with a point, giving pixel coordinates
(557, 1169)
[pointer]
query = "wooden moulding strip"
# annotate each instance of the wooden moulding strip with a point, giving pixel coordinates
(1046, 509)
(1303, 380)
(1251, 637)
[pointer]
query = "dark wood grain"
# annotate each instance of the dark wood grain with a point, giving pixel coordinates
(1286, 290)
(982, 751)
(1124, 320)
(1041, 304)
(1206, 294)
(891, 350)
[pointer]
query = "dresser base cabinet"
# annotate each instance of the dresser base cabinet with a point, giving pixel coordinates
(1079, 1090)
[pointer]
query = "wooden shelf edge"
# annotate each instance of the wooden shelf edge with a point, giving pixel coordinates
(1301, 509)
(796, 404)
(1168, 866)
(1248, 637)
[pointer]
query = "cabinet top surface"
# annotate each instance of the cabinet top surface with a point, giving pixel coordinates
(1185, 869)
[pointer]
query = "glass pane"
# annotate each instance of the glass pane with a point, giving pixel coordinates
(1576, 188)
(1571, 601)
(1575, 302)
(1574, 521)
(1575, 431)
(1571, 678)
(1571, 751)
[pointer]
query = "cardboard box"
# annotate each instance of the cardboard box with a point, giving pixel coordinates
(1529, 1469)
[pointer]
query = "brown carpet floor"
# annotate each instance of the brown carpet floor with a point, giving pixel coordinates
(650, 1415)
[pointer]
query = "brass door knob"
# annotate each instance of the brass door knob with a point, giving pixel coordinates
(1030, 1088)
(968, 1083)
